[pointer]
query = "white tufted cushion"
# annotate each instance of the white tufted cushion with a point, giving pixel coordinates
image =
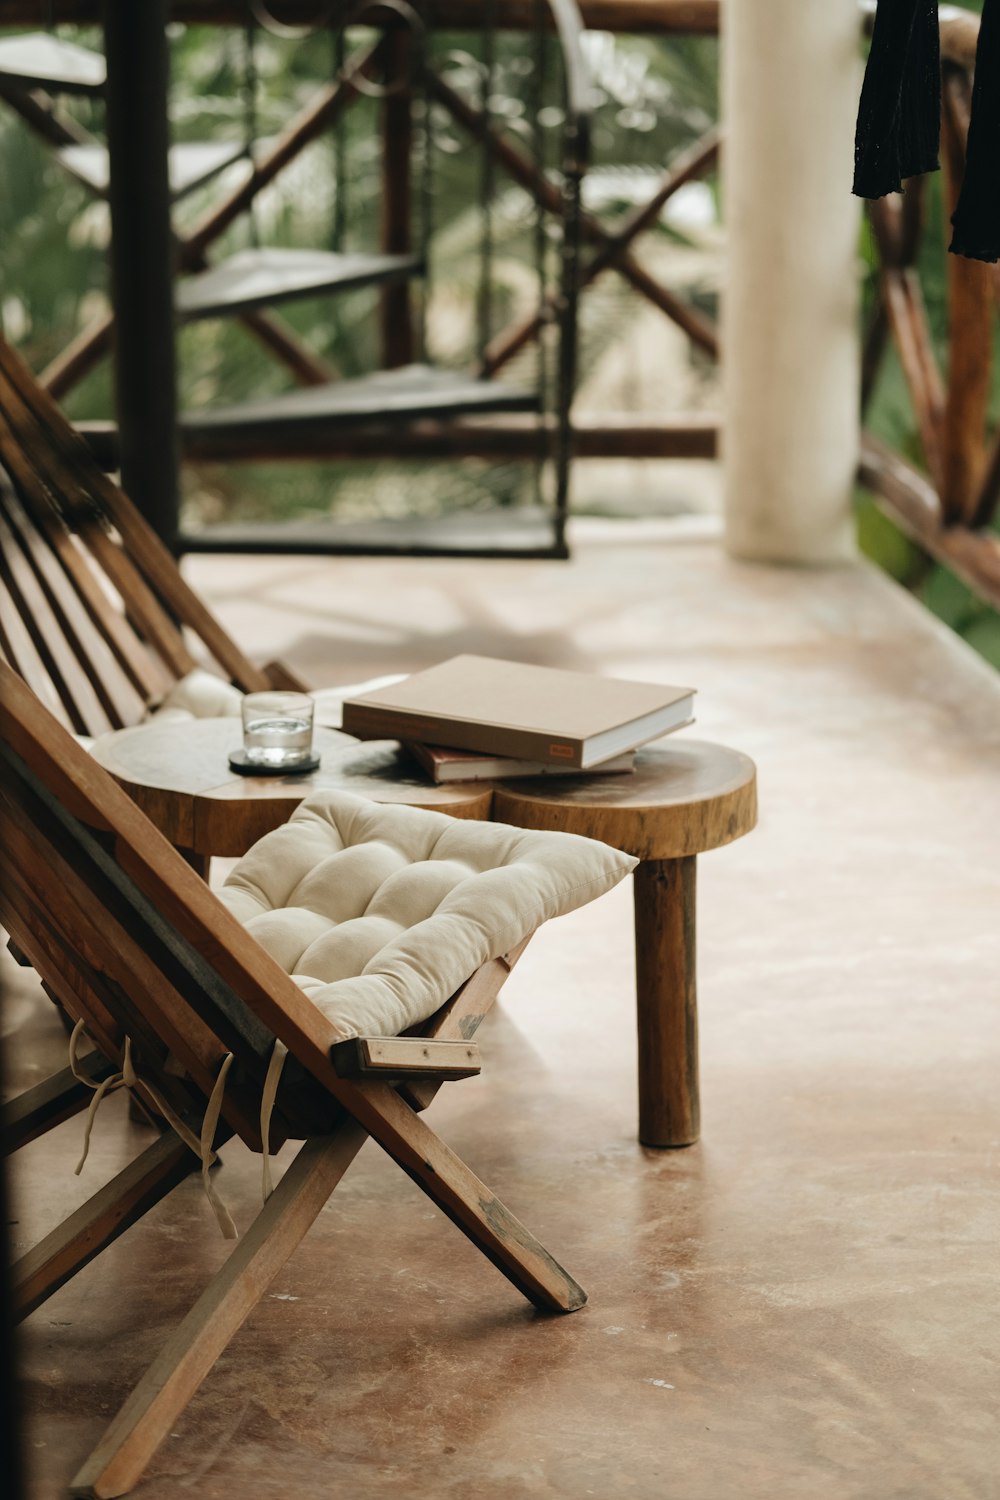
(380, 912)
(198, 695)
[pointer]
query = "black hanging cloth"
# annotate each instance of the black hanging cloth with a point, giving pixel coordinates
(899, 118)
(976, 220)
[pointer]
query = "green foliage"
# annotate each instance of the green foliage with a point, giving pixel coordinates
(890, 417)
(955, 603)
(983, 634)
(652, 98)
(884, 543)
(53, 250)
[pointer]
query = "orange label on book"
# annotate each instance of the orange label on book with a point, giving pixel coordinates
(566, 751)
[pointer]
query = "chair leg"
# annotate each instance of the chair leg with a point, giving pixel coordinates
(168, 1385)
(469, 1204)
(48, 1103)
(98, 1222)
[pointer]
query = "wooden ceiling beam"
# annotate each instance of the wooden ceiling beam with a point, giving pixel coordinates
(649, 17)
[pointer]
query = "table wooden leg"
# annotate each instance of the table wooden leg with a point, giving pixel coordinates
(666, 1001)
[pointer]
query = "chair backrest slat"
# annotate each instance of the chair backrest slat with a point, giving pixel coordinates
(103, 608)
(32, 605)
(28, 447)
(85, 576)
(109, 623)
(149, 581)
(20, 652)
(115, 688)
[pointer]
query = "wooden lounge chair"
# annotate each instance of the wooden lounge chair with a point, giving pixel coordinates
(135, 945)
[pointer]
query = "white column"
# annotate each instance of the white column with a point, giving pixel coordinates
(791, 76)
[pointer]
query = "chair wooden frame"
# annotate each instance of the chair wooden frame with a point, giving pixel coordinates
(133, 943)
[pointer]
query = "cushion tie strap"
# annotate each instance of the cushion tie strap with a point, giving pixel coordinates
(128, 1078)
(187, 1135)
(107, 1086)
(208, 1127)
(267, 1098)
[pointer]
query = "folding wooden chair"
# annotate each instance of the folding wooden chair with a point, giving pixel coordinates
(168, 984)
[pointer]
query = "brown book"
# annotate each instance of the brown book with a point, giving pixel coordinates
(443, 765)
(498, 707)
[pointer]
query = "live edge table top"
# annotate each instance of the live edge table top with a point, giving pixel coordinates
(685, 796)
(178, 774)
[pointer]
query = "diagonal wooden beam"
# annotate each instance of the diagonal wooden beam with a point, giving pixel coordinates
(317, 116)
(902, 227)
(48, 1103)
(99, 1222)
(277, 335)
(545, 193)
(911, 501)
(692, 164)
(169, 1384)
(38, 111)
(93, 342)
(907, 321)
(79, 356)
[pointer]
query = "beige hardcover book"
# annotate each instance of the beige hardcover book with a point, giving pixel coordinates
(444, 765)
(499, 707)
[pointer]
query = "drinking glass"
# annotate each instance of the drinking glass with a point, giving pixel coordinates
(277, 729)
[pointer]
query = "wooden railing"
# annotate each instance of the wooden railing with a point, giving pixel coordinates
(610, 246)
(949, 505)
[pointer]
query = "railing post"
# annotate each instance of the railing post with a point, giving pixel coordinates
(970, 331)
(791, 74)
(142, 257)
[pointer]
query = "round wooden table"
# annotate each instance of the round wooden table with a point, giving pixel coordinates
(685, 797)
(178, 773)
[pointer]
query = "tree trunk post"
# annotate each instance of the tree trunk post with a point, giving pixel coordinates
(791, 78)
(142, 257)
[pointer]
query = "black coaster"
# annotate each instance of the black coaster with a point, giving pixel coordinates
(238, 762)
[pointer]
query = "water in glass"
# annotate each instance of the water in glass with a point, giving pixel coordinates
(277, 729)
(277, 741)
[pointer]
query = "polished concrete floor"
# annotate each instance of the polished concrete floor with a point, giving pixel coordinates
(806, 1305)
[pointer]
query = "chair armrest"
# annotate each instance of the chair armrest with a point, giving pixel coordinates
(387, 1057)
